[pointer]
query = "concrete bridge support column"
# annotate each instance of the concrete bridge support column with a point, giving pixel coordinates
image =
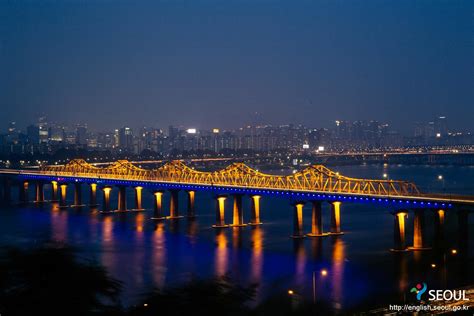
(78, 194)
(298, 220)
(39, 192)
(138, 198)
(439, 216)
(419, 241)
(336, 218)
(220, 211)
(62, 195)
(237, 212)
(106, 200)
(93, 194)
(255, 210)
(122, 198)
(54, 191)
(191, 197)
(158, 205)
(399, 236)
(174, 204)
(316, 221)
(23, 192)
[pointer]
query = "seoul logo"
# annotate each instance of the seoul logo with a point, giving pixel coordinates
(439, 295)
(419, 290)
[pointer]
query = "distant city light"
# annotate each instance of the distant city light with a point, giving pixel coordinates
(440, 177)
(191, 131)
(305, 146)
(385, 176)
(290, 292)
(215, 131)
(320, 148)
(324, 272)
(438, 135)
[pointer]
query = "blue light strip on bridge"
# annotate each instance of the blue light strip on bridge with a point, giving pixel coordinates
(401, 203)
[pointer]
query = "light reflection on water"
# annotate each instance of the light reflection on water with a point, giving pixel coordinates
(145, 253)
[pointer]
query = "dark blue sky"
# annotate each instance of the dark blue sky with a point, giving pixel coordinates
(214, 63)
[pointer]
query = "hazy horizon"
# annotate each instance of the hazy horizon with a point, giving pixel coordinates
(213, 63)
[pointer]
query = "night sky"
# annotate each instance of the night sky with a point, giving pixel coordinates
(214, 63)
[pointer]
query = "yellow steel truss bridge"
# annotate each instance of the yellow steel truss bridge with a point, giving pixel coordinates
(313, 178)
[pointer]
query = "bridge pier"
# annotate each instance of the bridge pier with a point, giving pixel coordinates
(23, 192)
(106, 200)
(54, 191)
(191, 197)
(336, 218)
(298, 220)
(220, 212)
(174, 204)
(158, 205)
(419, 241)
(255, 210)
(77, 195)
(138, 198)
(122, 198)
(62, 195)
(399, 236)
(39, 192)
(93, 195)
(439, 217)
(237, 212)
(316, 222)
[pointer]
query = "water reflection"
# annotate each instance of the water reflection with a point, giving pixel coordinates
(192, 230)
(139, 223)
(236, 238)
(317, 248)
(174, 226)
(159, 255)
(300, 260)
(401, 272)
(59, 223)
(337, 271)
(221, 253)
(141, 254)
(257, 254)
(107, 229)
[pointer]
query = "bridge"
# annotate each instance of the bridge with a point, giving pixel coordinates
(316, 184)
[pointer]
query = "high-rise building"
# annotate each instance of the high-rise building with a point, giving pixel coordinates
(56, 134)
(32, 132)
(81, 135)
(440, 126)
(125, 138)
(43, 129)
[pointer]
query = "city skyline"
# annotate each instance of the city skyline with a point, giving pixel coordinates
(44, 137)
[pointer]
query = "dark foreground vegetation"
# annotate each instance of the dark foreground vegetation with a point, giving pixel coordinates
(54, 279)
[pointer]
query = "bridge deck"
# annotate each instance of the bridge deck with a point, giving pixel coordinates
(423, 199)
